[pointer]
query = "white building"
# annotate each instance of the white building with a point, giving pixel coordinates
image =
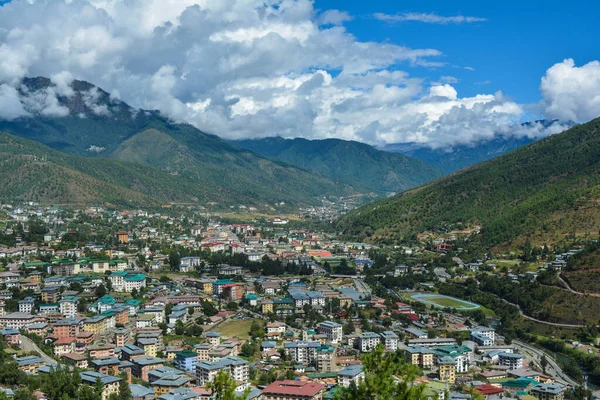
(511, 360)
(352, 373)
(485, 331)
(389, 340)
(26, 305)
(332, 330)
(234, 366)
(276, 327)
(68, 306)
(302, 352)
(368, 341)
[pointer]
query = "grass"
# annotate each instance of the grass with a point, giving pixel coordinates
(443, 301)
(239, 328)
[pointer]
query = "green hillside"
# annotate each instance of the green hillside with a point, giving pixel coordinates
(208, 168)
(543, 190)
(351, 162)
(236, 175)
(32, 172)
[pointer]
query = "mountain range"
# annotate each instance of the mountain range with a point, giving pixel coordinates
(541, 192)
(103, 150)
(353, 163)
(454, 158)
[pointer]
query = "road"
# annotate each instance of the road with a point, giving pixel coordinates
(362, 287)
(570, 289)
(552, 368)
(28, 345)
(538, 320)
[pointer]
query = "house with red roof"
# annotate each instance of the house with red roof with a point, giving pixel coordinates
(293, 390)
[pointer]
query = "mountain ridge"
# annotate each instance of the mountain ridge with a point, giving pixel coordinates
(97, 126)
(347, 161)
(541, 192)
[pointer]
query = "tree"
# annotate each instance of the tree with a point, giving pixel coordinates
(223, 387)
(209, 308)
(544, 363)
(257, 330)
(248, 349)
(174, 260)
(100, 291)
(124, 389)
(348, 328)
(379, 382)
(179, 328)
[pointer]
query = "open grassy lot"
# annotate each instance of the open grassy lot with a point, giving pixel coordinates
(239, 328)
(442, 301)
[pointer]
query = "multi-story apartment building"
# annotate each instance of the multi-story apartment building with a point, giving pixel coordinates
(352, 373)
(68, 306)
(332, 330)
(302, 352)
(236, 367)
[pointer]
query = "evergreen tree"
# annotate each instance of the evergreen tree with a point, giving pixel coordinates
(223, 388)
(379, 382)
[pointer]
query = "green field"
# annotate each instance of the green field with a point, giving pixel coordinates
(440, 300)
(239, 328)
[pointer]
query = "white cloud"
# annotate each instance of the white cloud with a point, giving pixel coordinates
(572, 93)
(334, 17)
(428, 18)
(43, 102)
(241, 68)
(62, 82)
(10, 104)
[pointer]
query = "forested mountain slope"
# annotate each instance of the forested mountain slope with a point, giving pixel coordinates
(545, 189)
(99, 126)
(354, 163)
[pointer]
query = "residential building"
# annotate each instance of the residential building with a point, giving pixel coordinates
(213, 338)
(68, 327)
(186, 360)
(547, 391)
(511, 360)
(352, 373)
(110, 383)
(64, 345)
(368, 341)
(10, 336)
(485, 331)
(332, 330)
(389, 340)
(324, 359)
(68, 306)
(142, 365)
(293, 390)
(26, 305)
(302, 352)
(236, 367)
(121, 336)
(50, 294)
(446, 369)
(17, 320)
(420, 356)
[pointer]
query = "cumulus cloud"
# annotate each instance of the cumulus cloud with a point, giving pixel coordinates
(10, 103)
(334, 17)
(572, 93)
(428, 18)
(241, 69)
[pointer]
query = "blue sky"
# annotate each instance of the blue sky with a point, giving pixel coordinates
(512, 49)
(437, 73)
